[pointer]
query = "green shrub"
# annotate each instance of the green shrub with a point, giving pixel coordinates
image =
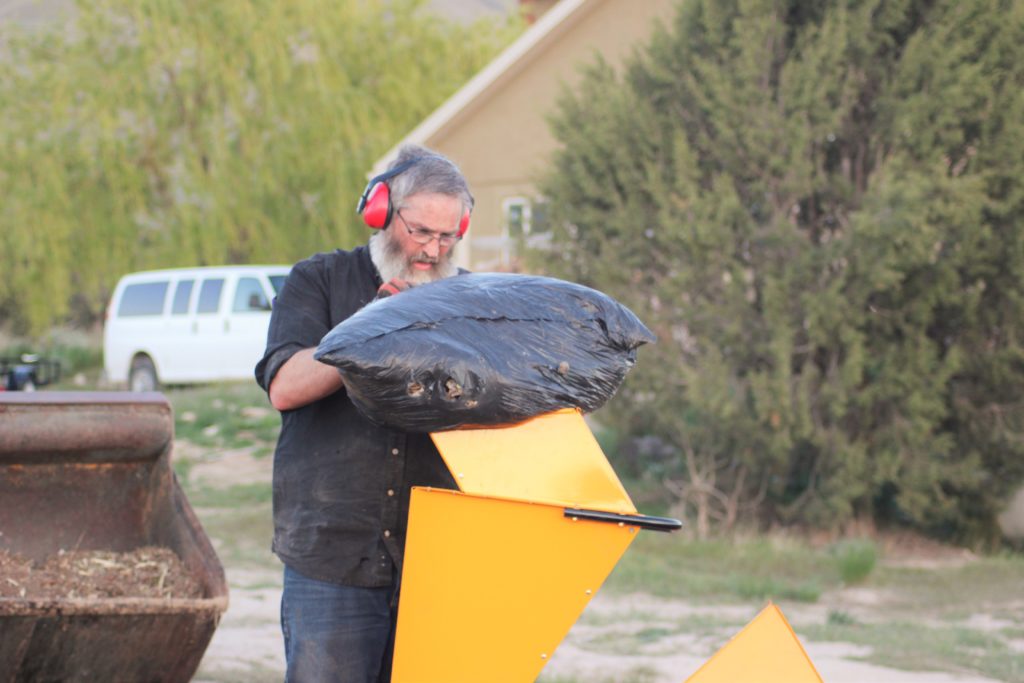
(75, 350)
(855, 559)
(816, 209)
(837, 617)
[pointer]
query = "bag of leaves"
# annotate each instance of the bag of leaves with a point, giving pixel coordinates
(483, 349)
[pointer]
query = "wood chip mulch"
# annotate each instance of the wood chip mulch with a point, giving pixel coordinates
(148, 572)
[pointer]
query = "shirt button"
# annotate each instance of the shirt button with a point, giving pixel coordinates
(387, 534)
(391, 492)
(394, 451)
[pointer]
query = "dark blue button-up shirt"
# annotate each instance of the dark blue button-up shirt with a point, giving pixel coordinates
(341, 483)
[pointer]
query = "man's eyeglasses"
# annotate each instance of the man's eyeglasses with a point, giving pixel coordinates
(425, 236)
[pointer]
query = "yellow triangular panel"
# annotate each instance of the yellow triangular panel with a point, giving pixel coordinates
(490, 587)
(765, 651)
(552, 458)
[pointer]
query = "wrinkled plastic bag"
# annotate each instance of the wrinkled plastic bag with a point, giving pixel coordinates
(483, 349)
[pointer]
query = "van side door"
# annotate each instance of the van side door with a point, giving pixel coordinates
(248, 318)
(211, 349)
(178, 344)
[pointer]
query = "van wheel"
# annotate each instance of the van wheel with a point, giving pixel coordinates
(142, 375)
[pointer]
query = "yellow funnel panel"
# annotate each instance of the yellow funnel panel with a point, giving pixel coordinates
(552, 458)
(765, 651)
(490, 587)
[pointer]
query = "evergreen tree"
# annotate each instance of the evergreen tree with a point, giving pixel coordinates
(814, 205)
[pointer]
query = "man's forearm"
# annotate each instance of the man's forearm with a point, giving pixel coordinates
(303, 380)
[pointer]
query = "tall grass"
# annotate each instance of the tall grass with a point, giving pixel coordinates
(732, 570)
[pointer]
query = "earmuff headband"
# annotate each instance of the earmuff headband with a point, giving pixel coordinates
(363, 198)
(375, 202)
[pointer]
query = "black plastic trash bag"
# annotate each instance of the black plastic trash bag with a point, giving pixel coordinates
(483, 349)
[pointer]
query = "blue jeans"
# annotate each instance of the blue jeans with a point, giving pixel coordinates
(336, 634)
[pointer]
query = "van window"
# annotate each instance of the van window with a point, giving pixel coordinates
(181, 296)
(209, 295)
(142, 299)
(277, 281)
(249, 296)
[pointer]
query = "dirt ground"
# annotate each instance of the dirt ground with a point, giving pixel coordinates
(247, 645)
(672, 660)
(248, 642)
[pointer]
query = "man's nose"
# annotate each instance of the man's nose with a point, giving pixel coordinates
(432, 248)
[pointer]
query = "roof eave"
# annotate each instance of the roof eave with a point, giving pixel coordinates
(547, 28)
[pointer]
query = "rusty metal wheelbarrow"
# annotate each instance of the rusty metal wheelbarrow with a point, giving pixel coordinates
(91, 471)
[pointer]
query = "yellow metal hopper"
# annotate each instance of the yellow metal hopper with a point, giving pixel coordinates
(765, 651)
(496, 573)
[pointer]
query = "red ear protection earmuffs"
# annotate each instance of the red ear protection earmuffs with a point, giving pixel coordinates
(375, 202)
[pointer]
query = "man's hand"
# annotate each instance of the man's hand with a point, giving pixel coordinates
(392, 287)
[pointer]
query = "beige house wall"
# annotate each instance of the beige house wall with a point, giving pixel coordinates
(501, 138)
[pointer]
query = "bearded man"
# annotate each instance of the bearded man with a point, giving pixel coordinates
(341, 483)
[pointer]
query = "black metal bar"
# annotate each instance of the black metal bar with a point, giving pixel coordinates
(642, 521)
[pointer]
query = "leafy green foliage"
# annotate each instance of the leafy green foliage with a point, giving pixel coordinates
(158, 134)
(855, 559)
(78, 354)
(814, 206)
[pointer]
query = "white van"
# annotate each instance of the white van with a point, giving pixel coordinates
(188, 325)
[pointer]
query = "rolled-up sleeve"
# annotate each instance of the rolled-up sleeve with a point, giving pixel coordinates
(299, 320)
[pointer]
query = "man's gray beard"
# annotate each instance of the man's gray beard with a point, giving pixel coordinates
(391, 263)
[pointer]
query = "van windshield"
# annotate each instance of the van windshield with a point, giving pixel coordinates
(277, 281)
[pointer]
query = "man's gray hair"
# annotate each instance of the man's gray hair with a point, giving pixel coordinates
(431, 172)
